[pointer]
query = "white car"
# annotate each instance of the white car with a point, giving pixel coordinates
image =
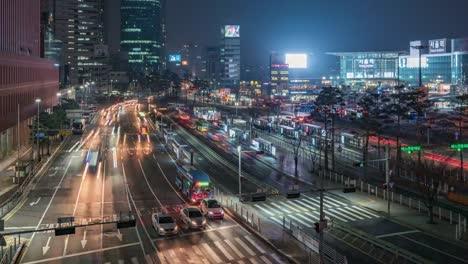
(212, 209)
(193, 217)
(164, 224)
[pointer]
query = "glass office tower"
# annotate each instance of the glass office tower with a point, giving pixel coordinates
(142, 34)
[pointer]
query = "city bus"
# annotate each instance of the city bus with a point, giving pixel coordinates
(193, 183)
(202, 125)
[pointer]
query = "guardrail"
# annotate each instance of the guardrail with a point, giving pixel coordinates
(269, 232)
(10, 254)
(443, 214)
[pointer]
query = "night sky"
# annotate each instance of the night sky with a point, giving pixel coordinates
(315, 26)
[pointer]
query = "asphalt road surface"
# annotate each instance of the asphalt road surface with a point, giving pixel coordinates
(133, 175)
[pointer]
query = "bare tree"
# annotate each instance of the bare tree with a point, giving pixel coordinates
(430, 177)
(296, 144)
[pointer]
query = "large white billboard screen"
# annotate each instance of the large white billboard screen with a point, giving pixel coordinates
(296, 60)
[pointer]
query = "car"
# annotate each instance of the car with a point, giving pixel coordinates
(193, 217)
(212, 209)
(164, 224)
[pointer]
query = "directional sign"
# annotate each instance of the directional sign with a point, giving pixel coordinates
(65, 132)
(40, 134)
(410, 149)
(62, 220)
(459, 146)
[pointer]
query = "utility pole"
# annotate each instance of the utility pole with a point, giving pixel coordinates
(18, 133)
(38, 102)
(387, 176)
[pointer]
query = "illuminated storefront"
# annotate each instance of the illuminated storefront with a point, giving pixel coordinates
(444, 64)
(364, 69)
(303, 90)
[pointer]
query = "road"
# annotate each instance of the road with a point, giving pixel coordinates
(305, 211)
(134, 175)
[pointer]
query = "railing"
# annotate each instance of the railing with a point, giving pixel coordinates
(313, 243)
(257, 223)
(443, 214)
(11, 253)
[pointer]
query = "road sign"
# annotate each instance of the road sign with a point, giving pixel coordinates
(65, 132)
(459, 146)
(62, 220)
(40, 134)
(410, 149)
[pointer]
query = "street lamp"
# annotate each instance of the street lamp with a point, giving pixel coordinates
(240, 151)
(38, 102)
(59, 99)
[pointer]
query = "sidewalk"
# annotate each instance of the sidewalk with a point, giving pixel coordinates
(409, 217)
(7, 173)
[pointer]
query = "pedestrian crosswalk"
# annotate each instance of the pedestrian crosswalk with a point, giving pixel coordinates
(242, 249)
(306, 210)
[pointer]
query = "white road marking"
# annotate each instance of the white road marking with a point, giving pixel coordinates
(349, 212)
(231, 245)
(257, 246)
(343, 215)
(210, 251)
(173, 256)
(243, 245)
(336, 201)
(365, 211)
(223, 250)
(48, 205)
(200, 254)
(266, 260)
(263, 209)
(253, 261)
(398, 233)
(335, 216)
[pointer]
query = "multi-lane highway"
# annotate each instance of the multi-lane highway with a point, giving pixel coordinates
(134, 174)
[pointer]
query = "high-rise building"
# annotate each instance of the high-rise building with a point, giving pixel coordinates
(212, 64)
(24, 76)
(279, 74)
(79, 25)
(142, 35)
(444, 65)
(230, 58)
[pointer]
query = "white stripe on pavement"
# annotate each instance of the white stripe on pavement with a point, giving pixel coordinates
(200, 254)
(263, 209)
(257, 246)
(336, 200)
(343, 215)
(305, 218)
(281, 208)
(289, 206)
(231, 245)
(173, 256)
(350, 212)
(306, 205)
(362, 214)
(213, 255)
(276, 257)
(335, 216)
(299, 221)
(223, 250)
(253, 261)
(365, 211)
(243, 245)
(266, 260)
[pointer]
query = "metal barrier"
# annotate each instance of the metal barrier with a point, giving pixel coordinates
(411, 202)
(10, 253)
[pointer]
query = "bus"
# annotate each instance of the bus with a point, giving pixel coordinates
(94, 157)
(202, 125)
(193, 183)
(78, 127)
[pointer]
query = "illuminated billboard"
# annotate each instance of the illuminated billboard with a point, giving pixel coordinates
(231, 31)
(296, 60)
(438, 46)
(175, 58)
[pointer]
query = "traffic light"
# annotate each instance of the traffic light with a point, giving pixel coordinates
(359, 164)
(317, 227)
(349, 190)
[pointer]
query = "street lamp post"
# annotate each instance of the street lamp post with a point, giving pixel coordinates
(38, 102)
(239, 150)
(59, 99)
